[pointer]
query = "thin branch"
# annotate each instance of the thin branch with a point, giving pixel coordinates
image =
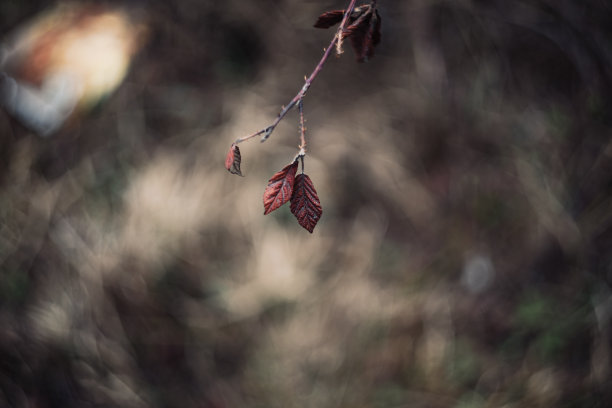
(300, 95)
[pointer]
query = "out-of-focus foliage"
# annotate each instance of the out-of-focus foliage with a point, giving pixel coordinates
(463, 260)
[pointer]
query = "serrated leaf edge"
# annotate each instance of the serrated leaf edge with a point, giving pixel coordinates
(305, 203)
(280, 188)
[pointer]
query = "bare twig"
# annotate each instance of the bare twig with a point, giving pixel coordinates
(300, 95)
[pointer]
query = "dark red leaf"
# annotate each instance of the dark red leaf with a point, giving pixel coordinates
(280, 187)
(329, 19)
(364, 34)
(372, 38)
(305, 204)
(376, 28)
(232, 160)
(363, 28)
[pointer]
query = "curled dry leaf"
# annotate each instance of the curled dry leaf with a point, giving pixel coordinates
(280, 187)
(232, 160)
(363, 28)
(305, 204)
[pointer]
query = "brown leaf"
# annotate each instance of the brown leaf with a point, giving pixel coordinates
(279, 188)
(305, 204)
(372, 36)
(232, 160)
(376, 35)
(364, 34)
(329, 19)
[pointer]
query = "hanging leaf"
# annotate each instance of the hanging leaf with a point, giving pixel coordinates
(232, 160)
(365, 35)
(280, 187)
(305, 204)
(329, 19)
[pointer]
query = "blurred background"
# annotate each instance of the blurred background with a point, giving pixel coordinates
(464, 255)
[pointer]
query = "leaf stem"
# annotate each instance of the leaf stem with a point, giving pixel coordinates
(307, 83)
(302, 145)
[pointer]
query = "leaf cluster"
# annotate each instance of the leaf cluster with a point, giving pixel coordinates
(363, 30)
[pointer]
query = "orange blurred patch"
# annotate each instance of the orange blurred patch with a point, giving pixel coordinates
(88, 48)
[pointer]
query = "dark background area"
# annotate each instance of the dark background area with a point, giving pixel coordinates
(463, 258)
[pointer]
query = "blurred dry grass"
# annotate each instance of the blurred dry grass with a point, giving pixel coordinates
(462, 260)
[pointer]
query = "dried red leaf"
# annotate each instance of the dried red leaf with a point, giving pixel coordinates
(232, 160)
(376, 35)
(363, 28)
(279, 188)
(329, 19)
(373, 36)
(305, 204)
(364, 34)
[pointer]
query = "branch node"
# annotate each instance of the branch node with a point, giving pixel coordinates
(267, 132)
